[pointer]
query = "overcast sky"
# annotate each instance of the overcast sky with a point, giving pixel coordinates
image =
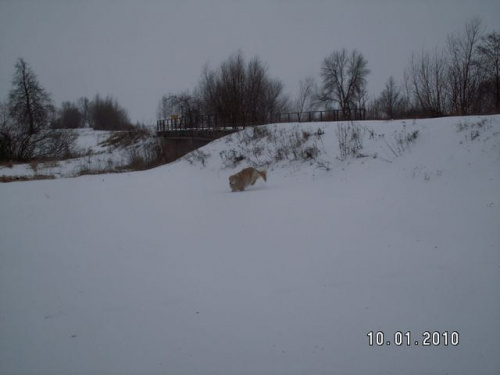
(137, 50)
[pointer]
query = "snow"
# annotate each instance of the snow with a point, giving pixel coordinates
(167, 271)
(92, 156)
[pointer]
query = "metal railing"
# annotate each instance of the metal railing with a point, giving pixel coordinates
(233, 122)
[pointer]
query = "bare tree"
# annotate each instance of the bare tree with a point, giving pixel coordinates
(361, 98)
(84, 108)
(344, 80)
(6, 130)
(464, 70)
(255, 86)
(29, 104)
(305, 100)
(489, 51)
(164, 111)
(231, 85)
(208, 90)
(426, 82)
(69, 117)
(275, 100)
(391, 99)
(25, 126)
(182, 104)
(107, 114)
(240, 89)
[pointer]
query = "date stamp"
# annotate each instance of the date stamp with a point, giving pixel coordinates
(406, 338)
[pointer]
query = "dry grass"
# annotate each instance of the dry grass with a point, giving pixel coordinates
(8, 164)
(125, 138)
(34, 166)
(26, 178)
(51, 164)
(90, 172)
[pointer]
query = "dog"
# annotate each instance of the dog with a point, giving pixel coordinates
(246, 177)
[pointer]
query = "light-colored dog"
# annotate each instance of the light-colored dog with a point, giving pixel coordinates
(246, 177)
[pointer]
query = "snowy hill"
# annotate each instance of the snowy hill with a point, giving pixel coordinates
(95, 152)
(167, 271)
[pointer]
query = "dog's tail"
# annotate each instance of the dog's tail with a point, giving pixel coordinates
(263, 173)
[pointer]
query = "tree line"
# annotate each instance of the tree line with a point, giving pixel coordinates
(462, 78)
(235, 87)
(97, 113)
(30, 123)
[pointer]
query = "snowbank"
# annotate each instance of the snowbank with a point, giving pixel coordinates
(167, 271)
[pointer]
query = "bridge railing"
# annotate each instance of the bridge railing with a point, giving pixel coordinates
(232, 122)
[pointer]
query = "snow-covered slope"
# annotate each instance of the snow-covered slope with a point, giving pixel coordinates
(95, 152)
(167, 271)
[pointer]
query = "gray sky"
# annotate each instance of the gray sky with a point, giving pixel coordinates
(137, 50)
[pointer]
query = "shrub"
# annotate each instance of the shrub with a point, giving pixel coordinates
(107, 114)
(197, 156)
(473, 128)
(231, 158)
(350, 139)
